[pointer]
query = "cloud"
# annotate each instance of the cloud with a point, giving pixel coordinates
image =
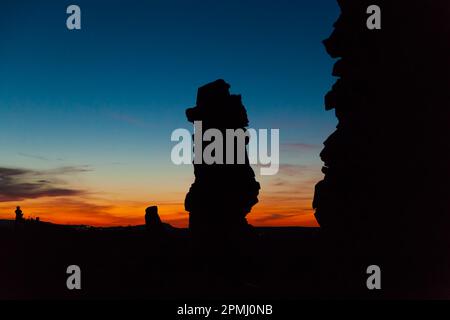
(18, 184)
(298, 146)
(32, 156)
(286, 198)
(293, 169)
(37, 157)
(274, 216)
(65, 170)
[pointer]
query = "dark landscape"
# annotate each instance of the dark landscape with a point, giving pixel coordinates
(383, 200)
(131, 262)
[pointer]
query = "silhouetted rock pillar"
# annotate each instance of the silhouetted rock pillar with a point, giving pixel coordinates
(386, 188)
(153, 222)
(19, 215)
(222, 194)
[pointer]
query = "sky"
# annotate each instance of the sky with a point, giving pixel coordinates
(86, 115)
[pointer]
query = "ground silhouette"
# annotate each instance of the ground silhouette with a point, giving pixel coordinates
(131, 262)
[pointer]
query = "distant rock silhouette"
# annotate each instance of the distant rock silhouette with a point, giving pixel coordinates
(19, 215)
(156, 229)
(152, 220)
(222, 194)
(386, 188)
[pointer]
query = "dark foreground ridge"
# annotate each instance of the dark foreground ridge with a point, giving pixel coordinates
(134, 262)
(131, 262)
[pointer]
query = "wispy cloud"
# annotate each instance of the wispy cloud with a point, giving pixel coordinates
(32, 156)
(275, 216)
(299, 146)
(285, 199)
(18, 184)
(293, 169)
(37, 157)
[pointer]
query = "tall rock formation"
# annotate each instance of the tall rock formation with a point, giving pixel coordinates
(386, 190)
(222, 194)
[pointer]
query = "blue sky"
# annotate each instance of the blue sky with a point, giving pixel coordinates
(109, 95)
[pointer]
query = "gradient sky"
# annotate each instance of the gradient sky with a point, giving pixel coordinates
(86, 116)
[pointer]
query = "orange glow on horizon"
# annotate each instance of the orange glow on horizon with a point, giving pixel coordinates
(284, 200)
(74, 212)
